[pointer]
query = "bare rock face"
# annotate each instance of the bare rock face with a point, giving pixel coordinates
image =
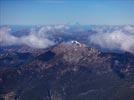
(74, 52)
(77, 54)
(10, 96)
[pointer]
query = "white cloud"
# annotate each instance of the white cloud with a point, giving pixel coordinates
(36, 42)
(36, 39)
(129, 29)
(6, 38)
(116, 40)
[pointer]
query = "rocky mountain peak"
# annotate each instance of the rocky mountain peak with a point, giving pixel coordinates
(75, 51)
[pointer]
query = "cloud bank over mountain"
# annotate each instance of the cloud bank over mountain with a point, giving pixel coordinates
(34, 39)
(121, 39)
(106, 37)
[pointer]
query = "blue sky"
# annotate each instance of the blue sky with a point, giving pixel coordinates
(31, 12)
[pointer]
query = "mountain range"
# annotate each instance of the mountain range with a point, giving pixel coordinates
(66, 71)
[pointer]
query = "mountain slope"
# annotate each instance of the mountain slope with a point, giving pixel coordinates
(71, 71)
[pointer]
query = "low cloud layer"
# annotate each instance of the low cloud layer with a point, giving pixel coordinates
(117, 40)
(35, 38)
(106, 37)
